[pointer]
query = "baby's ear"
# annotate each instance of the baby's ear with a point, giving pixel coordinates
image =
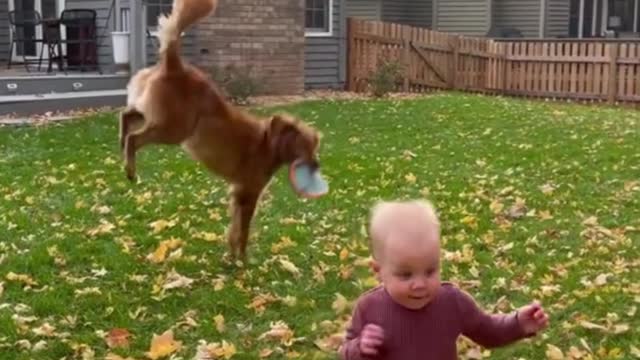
(375, 266)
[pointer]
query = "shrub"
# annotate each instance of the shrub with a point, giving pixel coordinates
(239, 83)
(385, 78)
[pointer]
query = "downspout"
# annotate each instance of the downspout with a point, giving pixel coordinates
(434, 15)
(489, 16)
(543, 19)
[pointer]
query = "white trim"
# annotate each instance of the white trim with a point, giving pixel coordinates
(311, 33)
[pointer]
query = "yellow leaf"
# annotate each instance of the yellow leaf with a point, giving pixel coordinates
(45, 330)
(547, 189)
(290, 267)
(163, 345)
(591, 326)
(340, 304)
(161, 224)
(554, 353)
(160, 254)
(620, 328)
(280, 331)
(266, 352)
(344, 253)
(496, 206)
(111, 356)
(590, 221)
(410, 178)
(219, 320)
(23, 278)
(601, 279)
(545, 215)
(215, 350)
(470, 221)
(634, 351)
(284, 242)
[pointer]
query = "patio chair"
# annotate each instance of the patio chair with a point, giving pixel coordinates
(20, 21)
(81, 38)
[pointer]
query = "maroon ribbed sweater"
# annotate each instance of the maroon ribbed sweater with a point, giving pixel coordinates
(430, 332)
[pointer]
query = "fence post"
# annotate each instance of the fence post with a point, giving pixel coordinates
(613, 72)
(455, 48)
(351, 58)
(406, 59)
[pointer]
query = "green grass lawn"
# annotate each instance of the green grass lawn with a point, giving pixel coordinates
(537, 200)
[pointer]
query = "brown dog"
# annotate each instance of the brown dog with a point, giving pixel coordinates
(175, 103)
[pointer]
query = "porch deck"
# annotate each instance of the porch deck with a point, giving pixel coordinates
(31, 92)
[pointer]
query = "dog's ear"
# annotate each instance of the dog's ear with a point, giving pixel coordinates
(282, 136)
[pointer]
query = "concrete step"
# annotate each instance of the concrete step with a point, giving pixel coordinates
(43, 84)
(24, 105)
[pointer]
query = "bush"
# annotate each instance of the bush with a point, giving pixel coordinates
(239, 83)
(384, 79)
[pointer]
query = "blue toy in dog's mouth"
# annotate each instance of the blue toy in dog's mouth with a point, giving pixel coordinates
(307, 181)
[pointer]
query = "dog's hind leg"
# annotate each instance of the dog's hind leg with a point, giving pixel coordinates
(243, 206)
(129, 117)
(150, 133)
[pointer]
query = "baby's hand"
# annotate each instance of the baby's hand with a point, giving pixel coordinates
(370, 339)
(532, 318)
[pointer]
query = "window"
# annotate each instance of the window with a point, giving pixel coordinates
(318, 17)
(154, 9)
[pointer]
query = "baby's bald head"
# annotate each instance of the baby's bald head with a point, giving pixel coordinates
(412, 223)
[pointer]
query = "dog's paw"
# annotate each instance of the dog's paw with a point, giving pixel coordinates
(131, 174)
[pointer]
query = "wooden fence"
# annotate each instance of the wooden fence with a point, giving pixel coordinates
(588, 69)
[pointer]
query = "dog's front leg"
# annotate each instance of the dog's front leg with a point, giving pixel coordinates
(243, 206)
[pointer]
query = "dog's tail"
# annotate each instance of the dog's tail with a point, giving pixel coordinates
(183, 14)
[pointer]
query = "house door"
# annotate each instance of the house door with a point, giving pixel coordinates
(47, 9)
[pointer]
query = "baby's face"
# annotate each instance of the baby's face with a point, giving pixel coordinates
(410, 271)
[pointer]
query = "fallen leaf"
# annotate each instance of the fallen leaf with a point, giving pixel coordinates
(410, 178)
(163, 345)
(118, 338)
(45, 330)
(279, 331)
(290, 267)
(219, 320)
(340, 304)
(216, 350)
(160, 254)
(112, 356)
(23, 278)
(554, 353)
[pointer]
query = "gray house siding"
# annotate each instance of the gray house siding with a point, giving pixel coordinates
(523, 15)
(5, 35)
(104, 25)
(408, 12)
(466, 17)
(557, 18)
(364, 9)
(324, 56)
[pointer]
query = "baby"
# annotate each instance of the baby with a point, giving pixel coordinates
(412, 315)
